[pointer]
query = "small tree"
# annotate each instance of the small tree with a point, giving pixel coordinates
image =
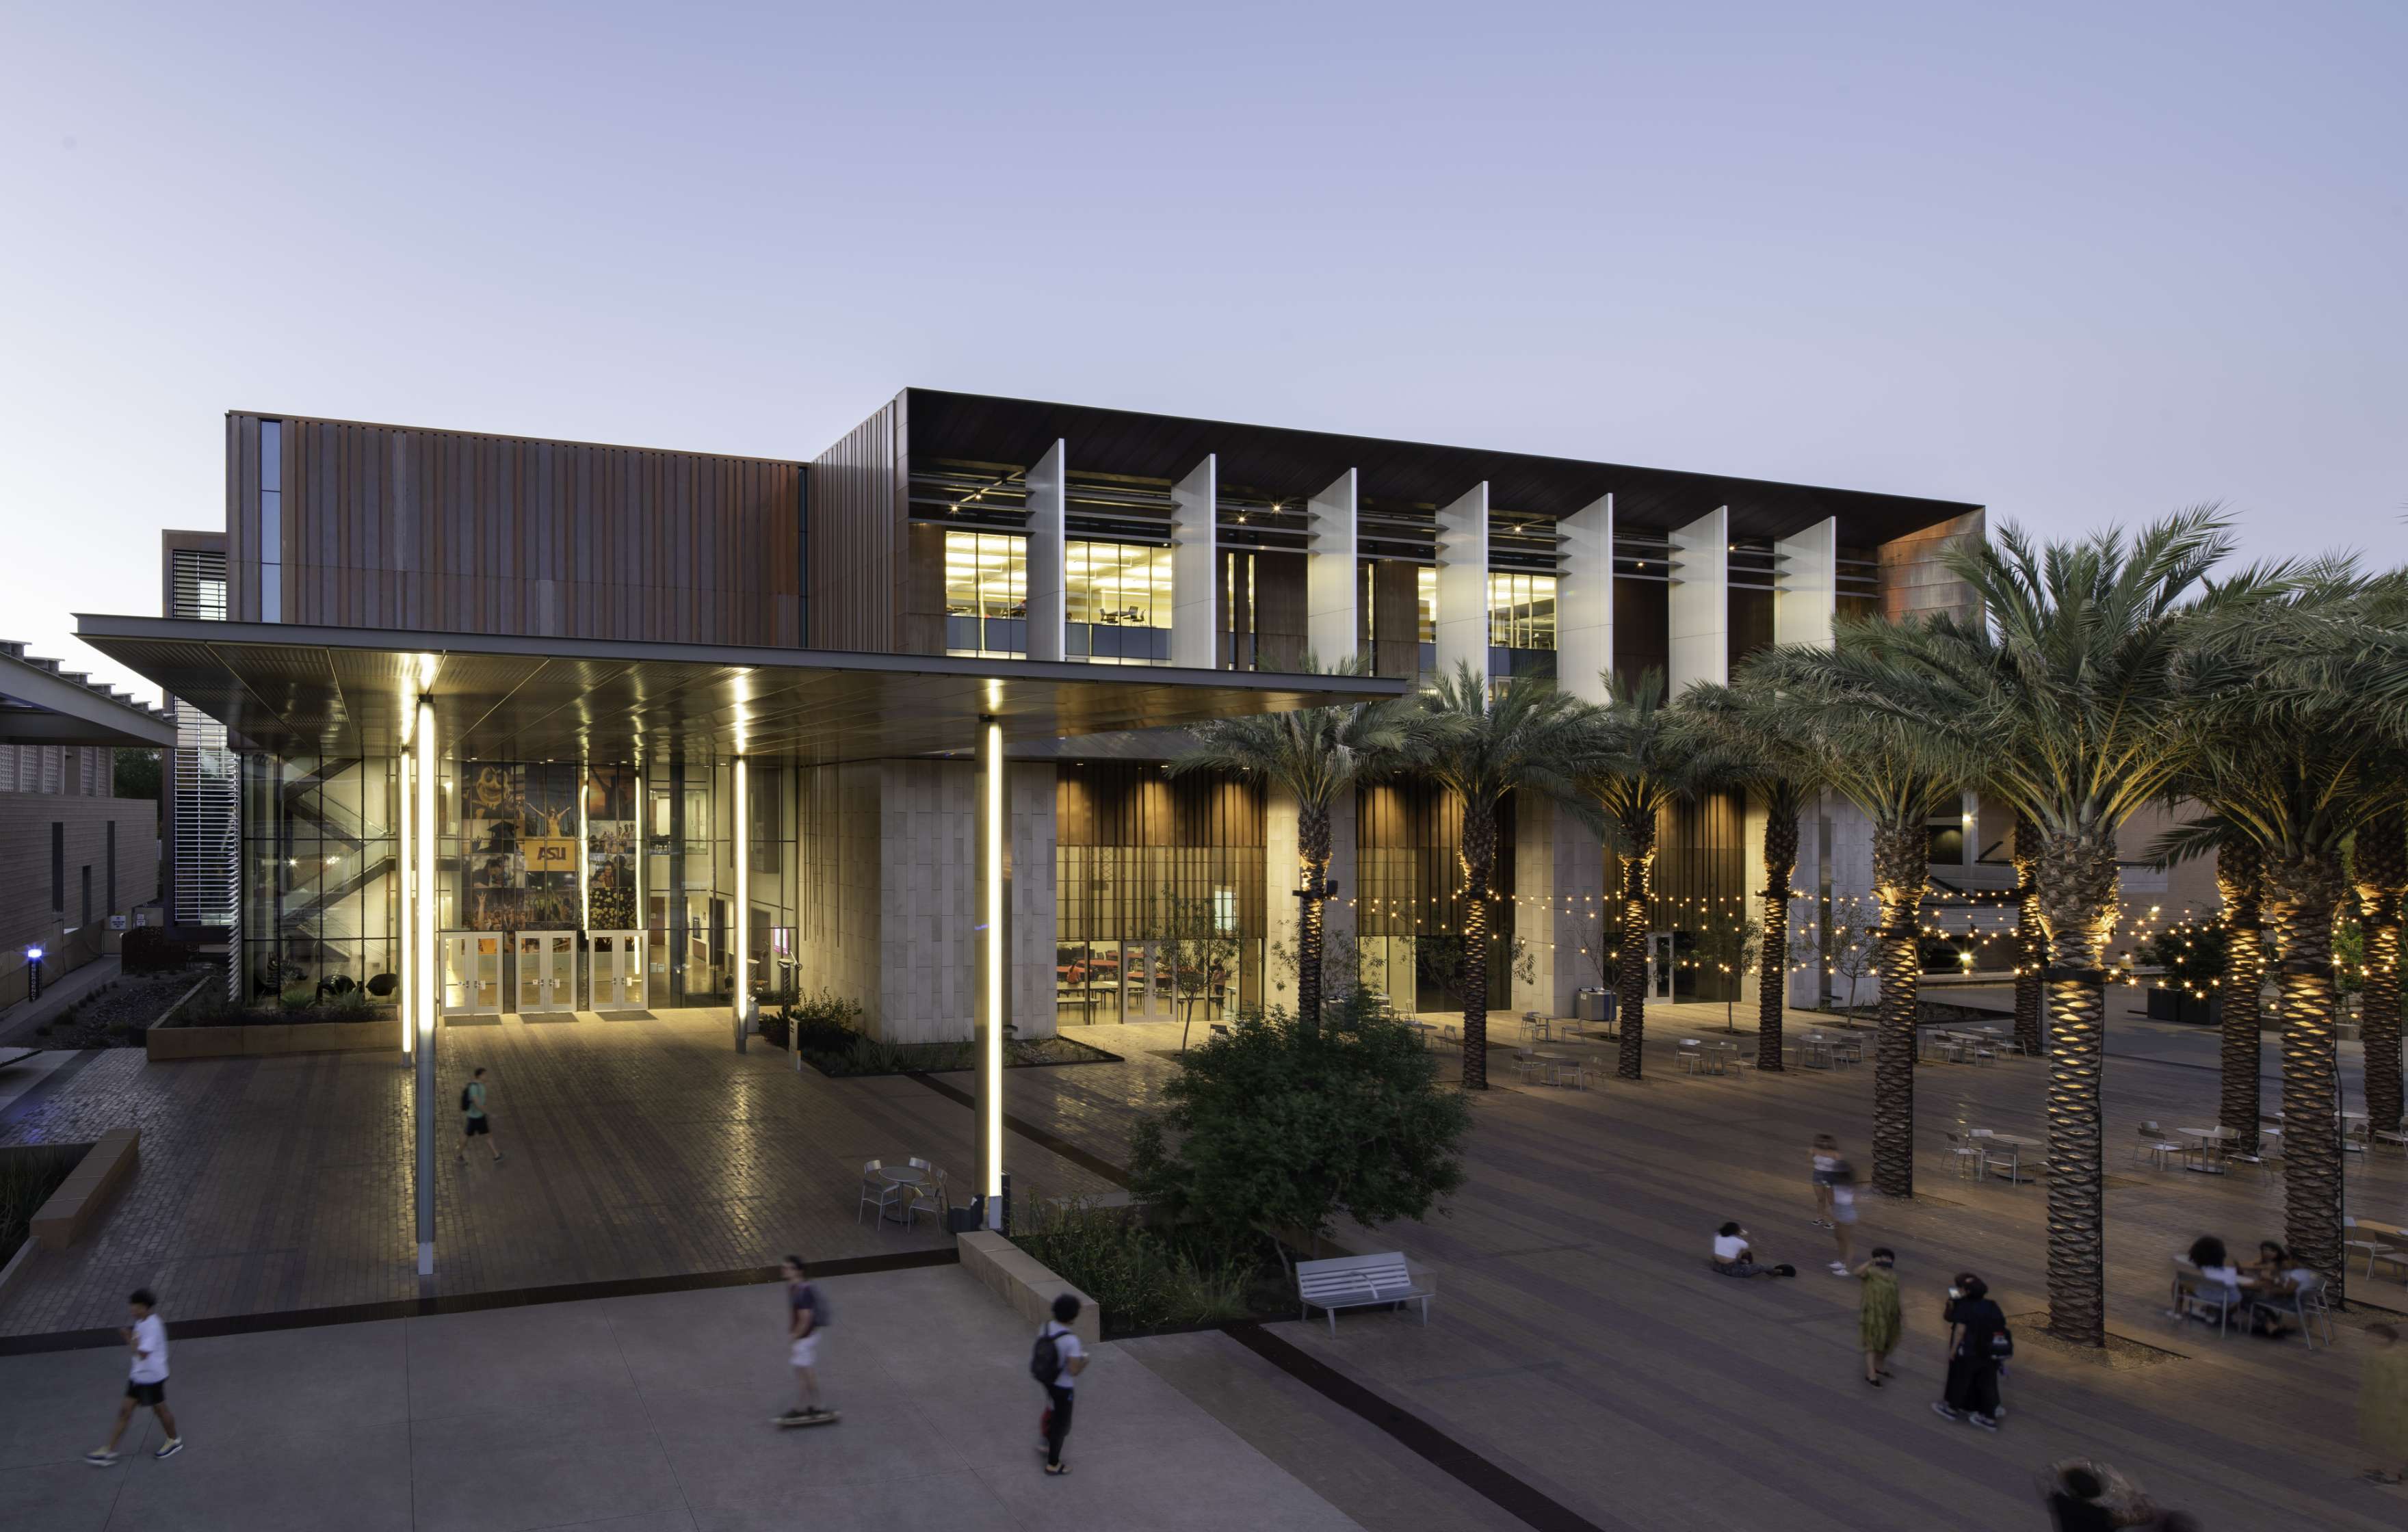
(1854, 954)
(1283, 1127)
(1730, 945)
(1199, 941)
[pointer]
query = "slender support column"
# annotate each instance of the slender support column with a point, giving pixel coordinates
(407, 964)
(1585, 600)
(1332, 584)
(1805, 599)
(423, 1003)
(993, 1007)
(1699, 603)
(741, 947)
(1049, 508)
(1463, 584)
(1195, 569)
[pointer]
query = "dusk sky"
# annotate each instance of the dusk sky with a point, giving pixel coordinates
(2081, 263)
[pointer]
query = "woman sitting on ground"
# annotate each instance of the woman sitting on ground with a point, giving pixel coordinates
(1733, 1258)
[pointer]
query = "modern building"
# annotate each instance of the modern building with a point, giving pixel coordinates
(75, 858)
(607, 632)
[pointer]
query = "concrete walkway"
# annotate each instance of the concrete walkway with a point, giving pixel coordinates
(641, 1414)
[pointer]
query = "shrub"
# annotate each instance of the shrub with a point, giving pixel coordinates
(1284, 1125)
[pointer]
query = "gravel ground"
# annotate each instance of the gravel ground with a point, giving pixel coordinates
(118, 1013)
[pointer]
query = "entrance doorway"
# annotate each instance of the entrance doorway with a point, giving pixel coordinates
(1148, 984)
(614, 977)
(472, 973)
(547, 971)
(1659, 964)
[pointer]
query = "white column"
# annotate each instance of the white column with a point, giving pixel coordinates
(1049, 509)
(1699, 602)
(1559, 903)
(1585, 600)
(741, 947)
(1463, 584)
(1806, 585)
(1333, 582)
(407, 967)
(422, 1006)
(994, 946)
(1195, 624)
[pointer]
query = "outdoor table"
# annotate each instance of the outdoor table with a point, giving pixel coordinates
(2211, 1148)
(900, 1175)
(2016, 1145)
(1815, 1052)
(1426, 1028)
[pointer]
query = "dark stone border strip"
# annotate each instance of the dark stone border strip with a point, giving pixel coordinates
(464, 1303)
(1493, 1483)
(1031, 1132)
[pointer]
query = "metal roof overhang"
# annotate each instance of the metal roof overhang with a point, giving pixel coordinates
(39, 705)
(293, 689)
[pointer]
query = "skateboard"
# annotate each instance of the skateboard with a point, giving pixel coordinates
(826, 1418)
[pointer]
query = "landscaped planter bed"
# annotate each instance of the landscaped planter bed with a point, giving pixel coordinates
(869, 1056)
(202, 1042)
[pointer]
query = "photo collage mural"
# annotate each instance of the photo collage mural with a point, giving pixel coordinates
(611, 798)
(519, 826)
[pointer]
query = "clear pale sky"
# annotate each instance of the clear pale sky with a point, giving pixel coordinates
(2082, 263)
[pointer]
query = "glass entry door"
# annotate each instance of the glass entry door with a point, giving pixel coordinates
(615, 970)
(1659, 964)
(472, 973)
(1148, 985)
(547, 971)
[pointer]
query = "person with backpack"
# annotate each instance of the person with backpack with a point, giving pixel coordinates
(806, 1317)
(1979, 1343)
(1057, 1362)
(146, 1380)
(474, 1122)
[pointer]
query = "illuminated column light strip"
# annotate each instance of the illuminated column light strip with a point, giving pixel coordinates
(424, 1007)
(406, 966)
(991, 966)
(743, 892)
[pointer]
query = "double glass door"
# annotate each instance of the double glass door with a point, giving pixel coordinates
(615, 970)
(472, 973)
(547, 976)
(1659, 964)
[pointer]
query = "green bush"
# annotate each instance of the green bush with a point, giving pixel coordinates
(1284, 1125)
(1143, 1279)
(28, 1176)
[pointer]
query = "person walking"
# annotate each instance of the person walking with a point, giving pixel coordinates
(1056, 1363)
(146, 1380)
(2382, 1404)
(474, 1121)
(1822, 1157)
(1841, 1189)
(1879, 1317)
(1978, 1341)
(805, 1316)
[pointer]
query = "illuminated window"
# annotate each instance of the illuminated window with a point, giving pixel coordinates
(1119, 602)
(1521, 612)
(986, 593)
(1426, 602)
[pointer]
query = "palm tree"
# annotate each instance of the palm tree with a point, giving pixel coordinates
(2379, 868)
(2066, 681)
(1316, 756)
(1480, 745)
(1855, 712)
(1640, 756)
(2031, 947)
(2241, 879)
(1785, 780)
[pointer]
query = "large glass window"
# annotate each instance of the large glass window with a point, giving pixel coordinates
(1426, 616)
(1119, 596)
(1522, 611)
(986, 593)
(320, 848)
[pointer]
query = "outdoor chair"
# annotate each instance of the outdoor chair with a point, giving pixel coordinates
(920, 1194)
(1983, 1055)
(2269, 1156)
(2384, 1242)
(2354, 1138)
(1972, 1159)
(878, 1192)
(2154, 1144)
(2305, 1304)
(1691, 1057)
(2195, 1296)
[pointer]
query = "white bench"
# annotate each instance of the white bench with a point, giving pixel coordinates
(1359, 1282)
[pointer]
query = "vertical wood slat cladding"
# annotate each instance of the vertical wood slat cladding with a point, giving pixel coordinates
(1283, 615)
(1395, 619)
(859, 568)
(389, 526)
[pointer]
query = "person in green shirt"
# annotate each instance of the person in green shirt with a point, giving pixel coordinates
(1879, 1319)
(474, 1121)
(2382, 1404)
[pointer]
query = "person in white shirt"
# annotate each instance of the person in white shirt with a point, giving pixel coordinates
(1734, 1258)
(1059, 1350)
(147, 1380)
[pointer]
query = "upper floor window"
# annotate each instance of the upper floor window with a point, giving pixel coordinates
(1119, 602)
(986, 593)
(1521, 612)
(271, 521)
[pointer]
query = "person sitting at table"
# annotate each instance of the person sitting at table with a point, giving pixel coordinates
(1734, 1258)
(2219, 1277)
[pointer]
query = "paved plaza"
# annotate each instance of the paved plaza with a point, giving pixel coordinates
(1580, 1345)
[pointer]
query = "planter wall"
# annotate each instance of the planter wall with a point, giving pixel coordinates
(164, 1043)
(2166, 1005)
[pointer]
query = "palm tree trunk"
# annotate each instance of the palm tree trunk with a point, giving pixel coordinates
(1902, 864)
(2031, 947)
(2078, 903)
(1631, 978)
(1773, 961)
(2381, 867)
(1312, 850)
(2305, 893)
(2240, 878)
(1479, 860)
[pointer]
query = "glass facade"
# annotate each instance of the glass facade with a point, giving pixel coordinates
(1118, 603)
(1522, 624)
(319, 852)
(986, 593)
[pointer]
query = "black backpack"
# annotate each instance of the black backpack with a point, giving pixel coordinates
(2002, 1343)
(1045, 1362)
(465, 1102)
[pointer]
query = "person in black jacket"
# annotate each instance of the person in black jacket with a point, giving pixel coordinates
(1973, 1324)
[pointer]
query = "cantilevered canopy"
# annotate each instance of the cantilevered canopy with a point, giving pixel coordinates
(41, 704)
(294, 690)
